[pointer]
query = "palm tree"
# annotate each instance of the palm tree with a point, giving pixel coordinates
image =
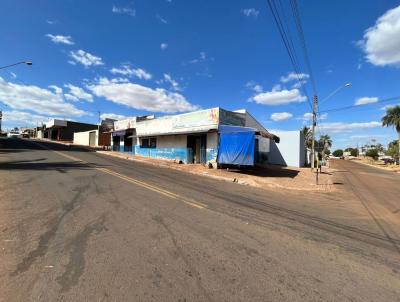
(392, 118)
(326, 142)
(307, 136)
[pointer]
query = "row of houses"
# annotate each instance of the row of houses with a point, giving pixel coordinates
(212, 137)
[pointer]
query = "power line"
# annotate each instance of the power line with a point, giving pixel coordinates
(300, 31)
(288, 42)
(361, 105)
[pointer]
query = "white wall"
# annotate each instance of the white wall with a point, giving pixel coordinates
(289, 151)
(39, 134)
(82, 138)
(212, 147)
(172, 141)
(212, 140)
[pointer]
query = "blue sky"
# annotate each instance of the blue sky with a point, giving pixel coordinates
(126, 58)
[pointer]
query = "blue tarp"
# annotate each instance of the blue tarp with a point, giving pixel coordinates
(236, 145)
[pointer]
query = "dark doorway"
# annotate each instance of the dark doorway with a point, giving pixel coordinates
(128, 140)
(54, 134)
(197, 145)
(116, 143)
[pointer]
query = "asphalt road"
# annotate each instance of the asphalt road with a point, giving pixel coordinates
(79, 226)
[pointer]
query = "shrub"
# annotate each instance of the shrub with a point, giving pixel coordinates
(372, 153)
(338, 153)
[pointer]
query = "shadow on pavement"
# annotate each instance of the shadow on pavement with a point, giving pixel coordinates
(12, 145)
(36, 165)
(270, 171)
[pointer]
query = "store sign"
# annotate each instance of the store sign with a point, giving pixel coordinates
(196, 119)
(125, 124)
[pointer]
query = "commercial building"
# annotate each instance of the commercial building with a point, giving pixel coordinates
(100, 137)
(63, 130)
(290, 151)
(124, 133)
(212, 136)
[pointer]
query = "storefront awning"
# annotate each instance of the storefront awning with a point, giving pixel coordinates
(119, 133)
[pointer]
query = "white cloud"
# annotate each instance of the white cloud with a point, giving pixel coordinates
(36, 99)
(162, 20)
(59, 39)
(340, 127)
(279, 97)
(16, 118)
(85, 58)
(124, 10)
(126, 70)
(78, 93)
(250, 12)
(202, 57)
(367, 136)
(386, 107)
(281, 116)
(308, 116)
(113, 116)
(381, 42)
(292, 76)
(366, 100)
(71, 97)
(141, 97)
(56, 89)
(254, 86)
(13, 75)
(163, 46)
(170, 80)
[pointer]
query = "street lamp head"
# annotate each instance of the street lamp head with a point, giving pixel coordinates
(28, 62)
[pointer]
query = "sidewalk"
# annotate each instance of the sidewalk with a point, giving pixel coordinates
(378, 164)
(271, 176)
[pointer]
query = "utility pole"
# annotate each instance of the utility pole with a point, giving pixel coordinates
(314, 124)
(1, 117)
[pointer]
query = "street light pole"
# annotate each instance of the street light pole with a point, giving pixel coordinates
(22, 62)
(29, 63)
(314, 119)
(314, 123)
(336, 91)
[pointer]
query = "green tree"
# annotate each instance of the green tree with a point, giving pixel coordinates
(353, 151)
(393, 149)
(338, 153)
(374, 153)
(325, 142)
(392, 118)
(307, 136)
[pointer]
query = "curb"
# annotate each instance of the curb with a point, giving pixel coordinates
(377, 167)
(325, 188)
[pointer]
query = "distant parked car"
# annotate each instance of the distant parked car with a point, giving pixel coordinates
(388, 161)
(14, 134)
